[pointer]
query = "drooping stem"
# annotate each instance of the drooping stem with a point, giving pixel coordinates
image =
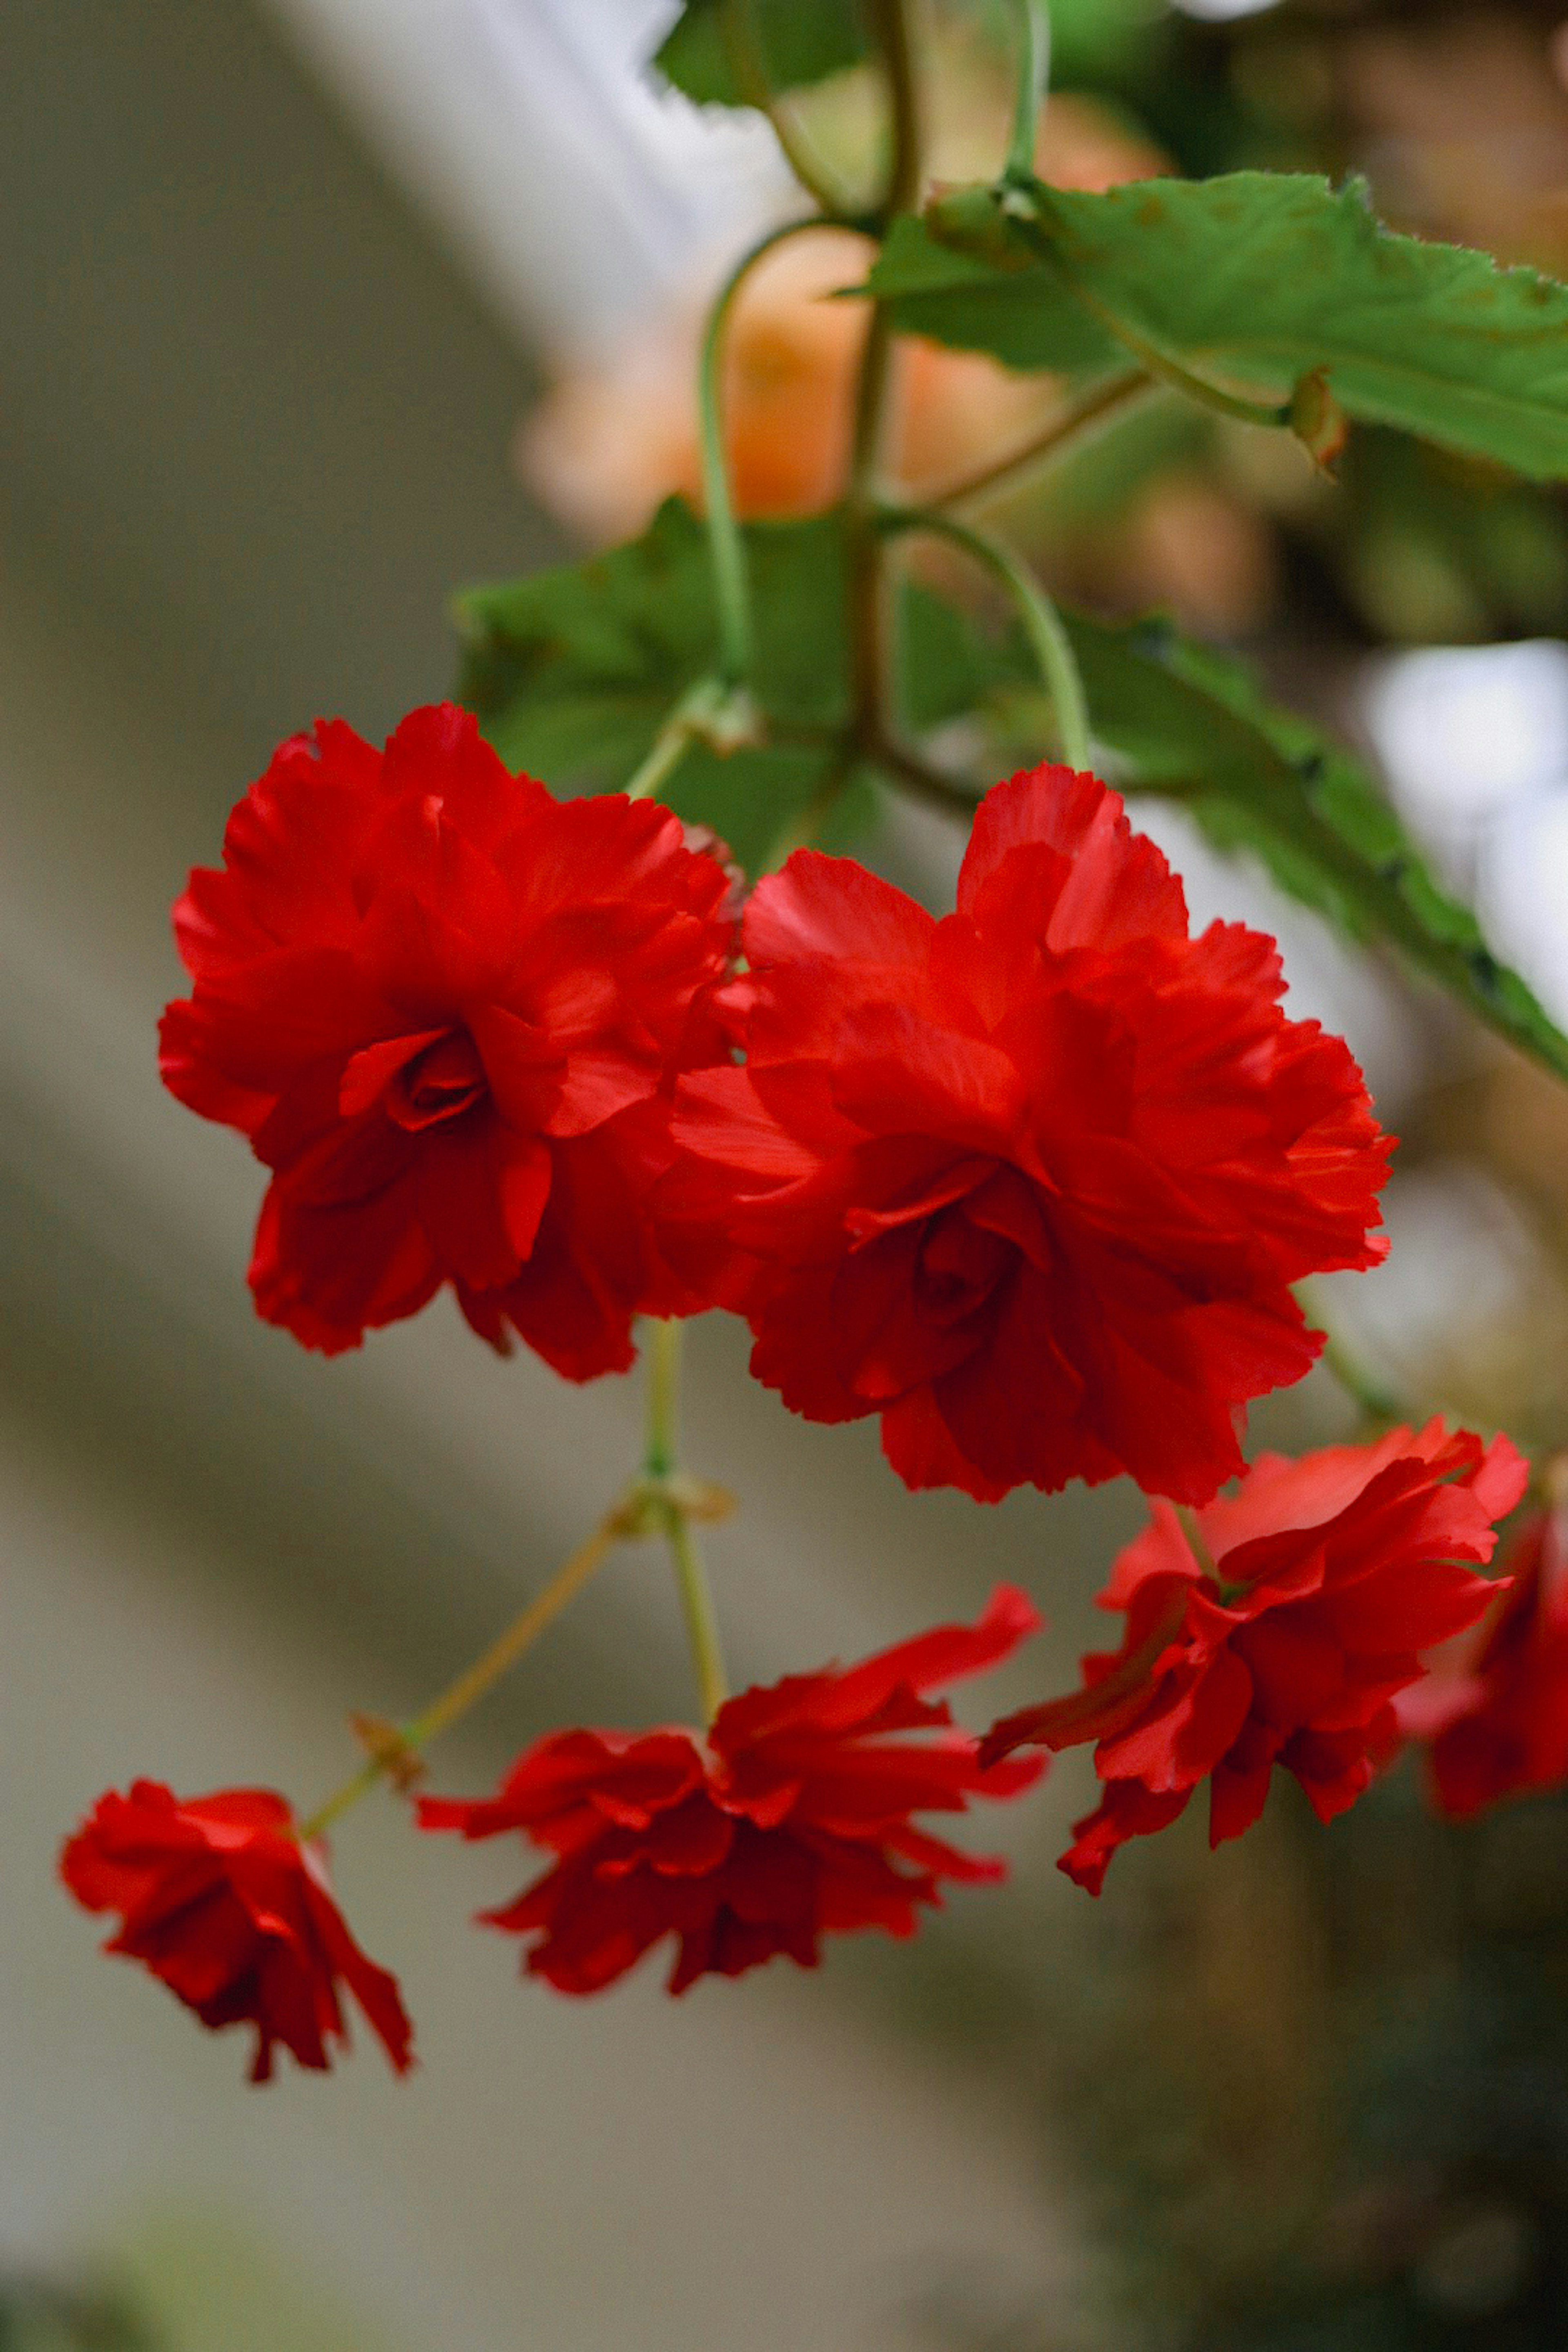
(664, 754)
(660, 1463)
(661, 1445)
(697, 1608)
(521, 1634)
(1195, 1540)
(486, 1670)
(748, 63)
(727, 554)
(1033, 80)
(1048, 639)
(1106, 404)
(868, 623)
(895, 38)
(1374, 1397)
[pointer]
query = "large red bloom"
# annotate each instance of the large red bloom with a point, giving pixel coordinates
(1283, 1638)
(1031, 1182)
(792, 1821)
(442, 1005)
(218, 1897)
(1498, 1725)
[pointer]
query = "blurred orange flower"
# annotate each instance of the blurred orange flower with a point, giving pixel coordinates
(607, 443)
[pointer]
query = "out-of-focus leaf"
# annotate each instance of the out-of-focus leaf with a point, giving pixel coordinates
(1193, 727)
(573, 671)
(1255, 279)
(1190, 725)
(799, 41)
(1024, 315)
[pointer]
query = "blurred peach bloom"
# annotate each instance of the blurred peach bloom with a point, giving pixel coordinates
(604, 447)
(607, 441)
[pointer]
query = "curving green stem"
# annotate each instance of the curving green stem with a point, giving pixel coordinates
(664, 754)
(726, 549)
(660, 1463)
(1374, 1397)
(1043, 624)
(1096, 410)
(486, 1670)
(1033, 81)
(868, 620)
(748, 63)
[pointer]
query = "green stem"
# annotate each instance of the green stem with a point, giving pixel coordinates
(1047, 639)
(1378, 1405)
(697, 1608)
(867, 621)
(662, 1444)
(486, 1670)
(1105, 406)
(748, 63)
(664, 754)
(1033, 81)
(726, 549)
(661, 1461)
(1195, 1540)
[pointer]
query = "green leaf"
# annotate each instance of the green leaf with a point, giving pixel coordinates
(799, 41)
(1255, 279)
(572, 673)
(1192, 726)
(1022, 314)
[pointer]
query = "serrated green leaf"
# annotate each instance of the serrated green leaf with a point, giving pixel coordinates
(799, 41)
(572, 672)
(1025, 316)
(1255, 279)
(1192, 726)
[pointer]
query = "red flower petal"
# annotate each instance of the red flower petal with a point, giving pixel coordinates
(218, 1897)
(792, 1821)
(1329, 1577)
(449, 1009)
(1104, 1151)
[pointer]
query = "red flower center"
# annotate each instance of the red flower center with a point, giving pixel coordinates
(959, 1264)
(442, 1083)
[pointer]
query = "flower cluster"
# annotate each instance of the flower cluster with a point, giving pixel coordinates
(1030, 1184)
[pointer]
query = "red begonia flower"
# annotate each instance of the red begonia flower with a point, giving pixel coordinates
(1498, 1725)
(1320, 1582)
(1031, 1182)
(443, 1006)
(219, 1898)
(792, 1820)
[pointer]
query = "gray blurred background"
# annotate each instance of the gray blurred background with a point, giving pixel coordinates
(254, 416)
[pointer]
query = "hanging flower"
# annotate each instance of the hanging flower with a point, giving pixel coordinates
(218, 1897)
(1279, 1636)
(792, 1820)
(1031, 1182)
(1498, 1725)
(443, 1006)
